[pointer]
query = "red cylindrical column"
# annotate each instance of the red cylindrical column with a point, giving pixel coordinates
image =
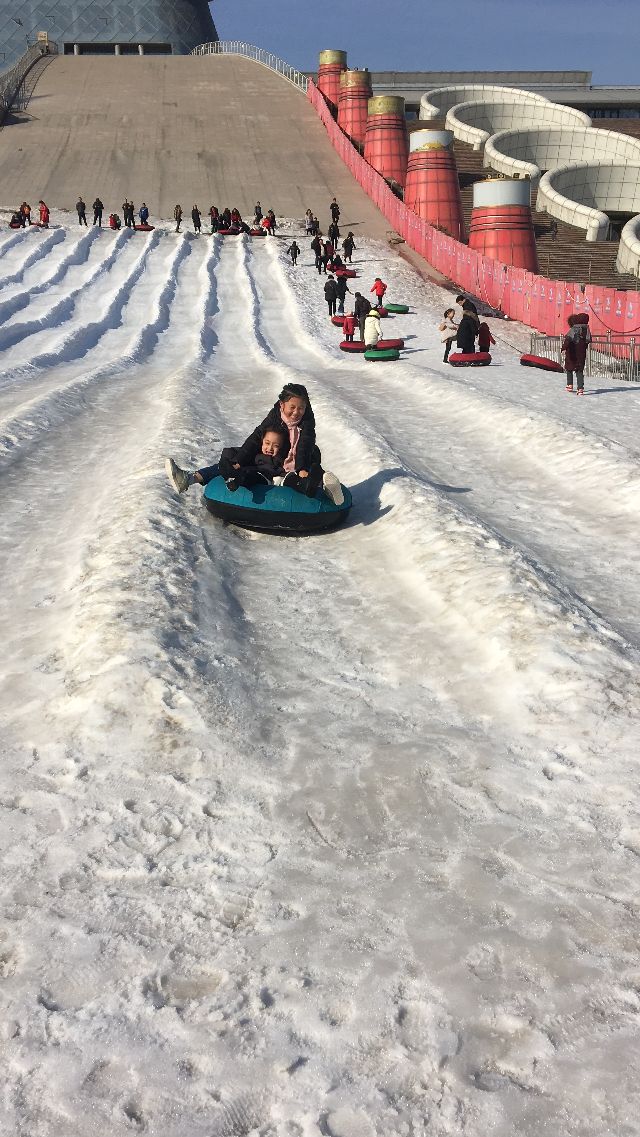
(432, 190)
(331, 64)
(386, 146)
(501, 223)
(355, 92)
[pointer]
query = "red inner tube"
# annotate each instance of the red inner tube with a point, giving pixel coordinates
(472, 359)
(384, 344)
(353, 345)
(542, 362)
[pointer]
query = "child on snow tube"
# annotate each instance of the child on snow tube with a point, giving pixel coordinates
(302, 469)
(268, 464)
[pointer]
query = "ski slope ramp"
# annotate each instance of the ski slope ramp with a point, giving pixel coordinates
(336, 835)
(219, 130)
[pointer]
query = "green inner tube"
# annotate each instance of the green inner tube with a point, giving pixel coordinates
(386, 354)
(401, 308)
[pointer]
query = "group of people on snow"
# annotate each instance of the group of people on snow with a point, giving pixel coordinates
(228, 219)
(21, 217)
(466, 332)
(128, 213)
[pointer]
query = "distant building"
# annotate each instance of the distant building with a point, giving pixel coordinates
(120, 27)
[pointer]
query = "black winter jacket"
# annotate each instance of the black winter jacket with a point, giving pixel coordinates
(270, 467)
(362, 307)
(305, 457)
(331, 290)
(467, 331)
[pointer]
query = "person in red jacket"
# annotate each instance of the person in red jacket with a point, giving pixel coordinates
(485, 339)
(44, 214)
(379, 287)
(349, 327)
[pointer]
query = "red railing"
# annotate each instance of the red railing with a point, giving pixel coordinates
(540, 303)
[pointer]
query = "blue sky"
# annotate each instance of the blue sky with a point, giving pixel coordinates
(434, 35)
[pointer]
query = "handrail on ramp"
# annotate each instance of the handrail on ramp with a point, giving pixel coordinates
(250, 51)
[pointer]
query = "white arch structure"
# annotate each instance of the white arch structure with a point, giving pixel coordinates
(581, 173)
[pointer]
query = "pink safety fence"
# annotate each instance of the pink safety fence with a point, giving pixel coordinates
(540, 303)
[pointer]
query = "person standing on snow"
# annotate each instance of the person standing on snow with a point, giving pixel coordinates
(195, 217)
(81, 210)
(342, 288)
(143, 214)
(317, 248)
(361, 308)
(331, 294)
(372, 330)
(468, 326)
(333, 233)
(335, 211)
(177, 217)
(348, 245)
(574, 348)
(97, 212)
(44, 214)
(294, 252)
(379, 287)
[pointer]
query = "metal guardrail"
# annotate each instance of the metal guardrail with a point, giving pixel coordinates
(249, 51)
(615, 357)
(11, 81)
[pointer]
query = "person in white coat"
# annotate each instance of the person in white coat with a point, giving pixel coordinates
(372, 331)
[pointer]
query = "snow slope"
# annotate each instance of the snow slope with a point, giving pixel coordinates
(334, 835)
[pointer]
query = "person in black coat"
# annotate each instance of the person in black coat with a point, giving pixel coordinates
(348, 245)
(81, 210)
(317, 248)
(97, 212)
(294, 252)
(333, 233)
(342, 288)
(361, 308)
(335, 211)
(196, 218)
(331, 294)
(468, 326)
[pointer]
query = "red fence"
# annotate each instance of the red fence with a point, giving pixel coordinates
(539, 303)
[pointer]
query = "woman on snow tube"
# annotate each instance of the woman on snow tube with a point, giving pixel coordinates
(301, 461)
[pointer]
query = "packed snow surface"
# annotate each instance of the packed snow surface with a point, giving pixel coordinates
(332, 835)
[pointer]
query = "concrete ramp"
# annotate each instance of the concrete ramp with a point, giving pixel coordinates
(220, 130)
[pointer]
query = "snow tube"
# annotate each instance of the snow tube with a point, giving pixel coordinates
(382, 312)
(337, 320)
(353, 345)
(472, 359)
(144, 228)
(275, 509)
(385, 355)
(346, 273)
(384, 345)
(541, 361)
(257, 232)
(232, 232)
(401, 309)
(14, 225)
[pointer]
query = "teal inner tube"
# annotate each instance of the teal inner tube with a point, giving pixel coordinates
(402, 309)
(275, 509)
(387, 354)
